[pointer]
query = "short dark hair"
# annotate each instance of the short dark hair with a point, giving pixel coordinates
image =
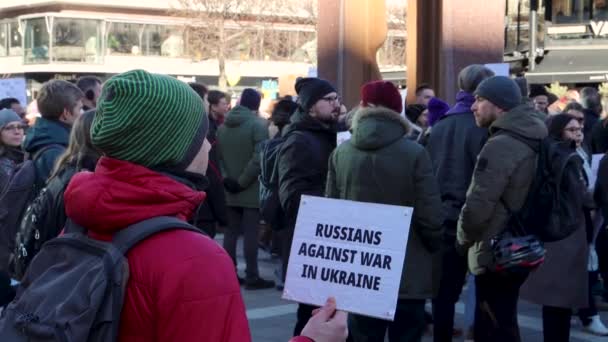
(591, 99)
(199, 88)
(422, 87)
(215, 96)
(57, 96)
(8, 102)
(573, 106)
(86, 83)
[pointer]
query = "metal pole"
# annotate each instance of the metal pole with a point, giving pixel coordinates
(533, 21)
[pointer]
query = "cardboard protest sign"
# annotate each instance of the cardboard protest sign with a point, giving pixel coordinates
(352, 251)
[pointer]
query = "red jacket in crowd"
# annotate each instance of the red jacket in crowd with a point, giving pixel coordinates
(182, 285)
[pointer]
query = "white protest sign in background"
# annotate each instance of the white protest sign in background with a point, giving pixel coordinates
(352, 251)
(595, 167)
(14, 87)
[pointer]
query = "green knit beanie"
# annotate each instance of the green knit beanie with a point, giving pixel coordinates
(149, 119)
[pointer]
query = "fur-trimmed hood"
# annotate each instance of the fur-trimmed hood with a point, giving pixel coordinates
(376, 127)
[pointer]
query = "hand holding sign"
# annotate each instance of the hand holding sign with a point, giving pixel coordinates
(327, 324)
(349, 250)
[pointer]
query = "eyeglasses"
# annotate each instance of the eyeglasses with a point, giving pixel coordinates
(331, 99)
(14, 127)
(573, 129)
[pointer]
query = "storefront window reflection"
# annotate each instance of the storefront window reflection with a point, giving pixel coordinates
(14, 39)
(125, 39)
(76, 40)
(36, 41)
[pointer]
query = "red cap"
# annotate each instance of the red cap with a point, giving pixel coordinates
(382, 93)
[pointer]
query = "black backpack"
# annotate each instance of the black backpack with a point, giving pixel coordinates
(270, 204)
(43, 220)
(552, 210)
(15, 199)
(74, 288)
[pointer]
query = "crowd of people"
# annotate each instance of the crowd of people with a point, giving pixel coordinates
(108, 155)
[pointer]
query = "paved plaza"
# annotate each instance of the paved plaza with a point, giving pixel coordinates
(272, 319)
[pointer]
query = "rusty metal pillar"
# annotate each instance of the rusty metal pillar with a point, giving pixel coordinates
(445, 36)
(350, 32)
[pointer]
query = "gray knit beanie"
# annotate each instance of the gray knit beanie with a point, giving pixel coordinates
(7, 116)
(501, 91)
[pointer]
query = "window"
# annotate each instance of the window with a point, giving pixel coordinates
(600, 10)
(572, 11)
(125, 39)
(76, 40)
(14, 37)
(164, 41)
(3, 39)
(36, 41)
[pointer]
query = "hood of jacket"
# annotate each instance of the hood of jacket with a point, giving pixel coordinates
(301, 121)
(521, 120)
(464, 101)
(46, 132)
(238, 115)
(120, 193)
(376, 127)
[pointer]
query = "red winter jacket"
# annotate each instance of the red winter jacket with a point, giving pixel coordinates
(182, 285)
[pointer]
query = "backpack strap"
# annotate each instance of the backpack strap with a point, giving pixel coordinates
(127, 238)
(37, 154)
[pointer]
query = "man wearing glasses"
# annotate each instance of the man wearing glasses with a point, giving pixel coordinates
(303, 159)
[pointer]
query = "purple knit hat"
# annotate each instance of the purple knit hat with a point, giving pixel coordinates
(437, 110)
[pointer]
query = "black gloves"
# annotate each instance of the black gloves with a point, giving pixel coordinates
(232, 186)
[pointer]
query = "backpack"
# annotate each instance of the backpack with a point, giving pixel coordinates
(270, 204)
(14, 200)
(74, 288)
(552, 209)
(43, 220)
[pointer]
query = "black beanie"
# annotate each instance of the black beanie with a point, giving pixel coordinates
(414, 111)
(251, 99)
(312, 89)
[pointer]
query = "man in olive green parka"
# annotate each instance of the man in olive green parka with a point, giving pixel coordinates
(238, 141)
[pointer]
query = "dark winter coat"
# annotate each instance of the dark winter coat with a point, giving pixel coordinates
(214, 208)
(8, 162)
(239, 142)
(453, 146)
(46, 132)
(562, 280)
(379, 165)
(504, 171)
(599, 137)
(601, 189)
(591, 120)
(303, 162)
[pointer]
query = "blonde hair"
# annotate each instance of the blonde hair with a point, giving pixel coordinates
(80, 148)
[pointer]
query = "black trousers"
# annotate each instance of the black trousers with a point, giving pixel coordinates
(496, 308)
(586, 314)
(303, 315)
(408, 325)
(453, 275)
(556, 324)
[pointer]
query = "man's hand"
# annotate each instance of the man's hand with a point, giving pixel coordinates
(327, 325)
(232, 186)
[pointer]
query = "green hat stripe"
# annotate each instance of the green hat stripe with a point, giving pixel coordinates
(151, 120)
